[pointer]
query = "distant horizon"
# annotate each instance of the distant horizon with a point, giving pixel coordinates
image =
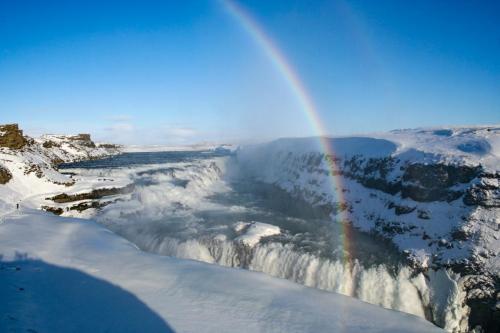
(260, 140)
(165, 73)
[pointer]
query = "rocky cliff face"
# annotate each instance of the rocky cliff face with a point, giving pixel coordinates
(69, 148)
(83, 140)
(472, 189)
(5, 175)
(485, 192)
(434, 194)
(12, 137)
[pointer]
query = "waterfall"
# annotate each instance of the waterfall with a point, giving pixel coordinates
(163, 216)
(427, 296)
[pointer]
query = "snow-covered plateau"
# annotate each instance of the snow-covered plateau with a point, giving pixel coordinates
(406, 220)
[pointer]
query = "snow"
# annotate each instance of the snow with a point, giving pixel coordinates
(35, 178)
(73, 270)
(465, 145)
(31, 189)
(366, 146)
(68, 149)
(23, 184)
(476, 145)
(253, 232)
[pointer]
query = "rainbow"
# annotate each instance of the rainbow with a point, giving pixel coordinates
(296, 86)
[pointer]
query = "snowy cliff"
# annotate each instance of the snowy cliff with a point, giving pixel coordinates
(435, 193)
(69, 148)
(29, 166)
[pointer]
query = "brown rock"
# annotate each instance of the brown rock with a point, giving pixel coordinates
(84, 139)
(50, 144)
(94, 194)
(53, 210)
(12, 137)
(5, 175)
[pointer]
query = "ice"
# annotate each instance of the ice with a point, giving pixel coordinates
(255, 231)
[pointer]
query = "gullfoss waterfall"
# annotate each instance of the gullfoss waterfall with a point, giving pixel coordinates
(200, 206)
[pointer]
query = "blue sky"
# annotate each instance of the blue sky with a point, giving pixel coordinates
(186, 71)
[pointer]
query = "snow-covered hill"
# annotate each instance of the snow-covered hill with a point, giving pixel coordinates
(28, 167)
(70, 148)
(434, 192)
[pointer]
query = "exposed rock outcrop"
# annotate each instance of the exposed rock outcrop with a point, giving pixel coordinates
(83, 139)
(53, 210)
(50, 144)
(12, 137)
(420, 182)
(71, 148)
(483, 300)
(485, 193)
(109, 146)
(94, 194)
(433, 182)
(5, 175)
(80, 207)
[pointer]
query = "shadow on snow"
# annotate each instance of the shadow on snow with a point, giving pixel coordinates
(40, 297)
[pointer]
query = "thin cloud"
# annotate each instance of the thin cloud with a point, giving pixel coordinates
(120, 127)
(181, 132)
(119, 118)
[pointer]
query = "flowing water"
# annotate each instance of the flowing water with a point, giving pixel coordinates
(194, 205)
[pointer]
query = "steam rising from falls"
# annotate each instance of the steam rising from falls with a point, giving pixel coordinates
(190, 209)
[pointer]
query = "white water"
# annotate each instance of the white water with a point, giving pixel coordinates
(191, 221)
(401, 290)
(374, 285)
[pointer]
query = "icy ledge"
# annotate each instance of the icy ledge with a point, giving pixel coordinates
(82, 277)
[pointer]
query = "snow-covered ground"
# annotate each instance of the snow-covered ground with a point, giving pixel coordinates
(72, 275)
(34, 175)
